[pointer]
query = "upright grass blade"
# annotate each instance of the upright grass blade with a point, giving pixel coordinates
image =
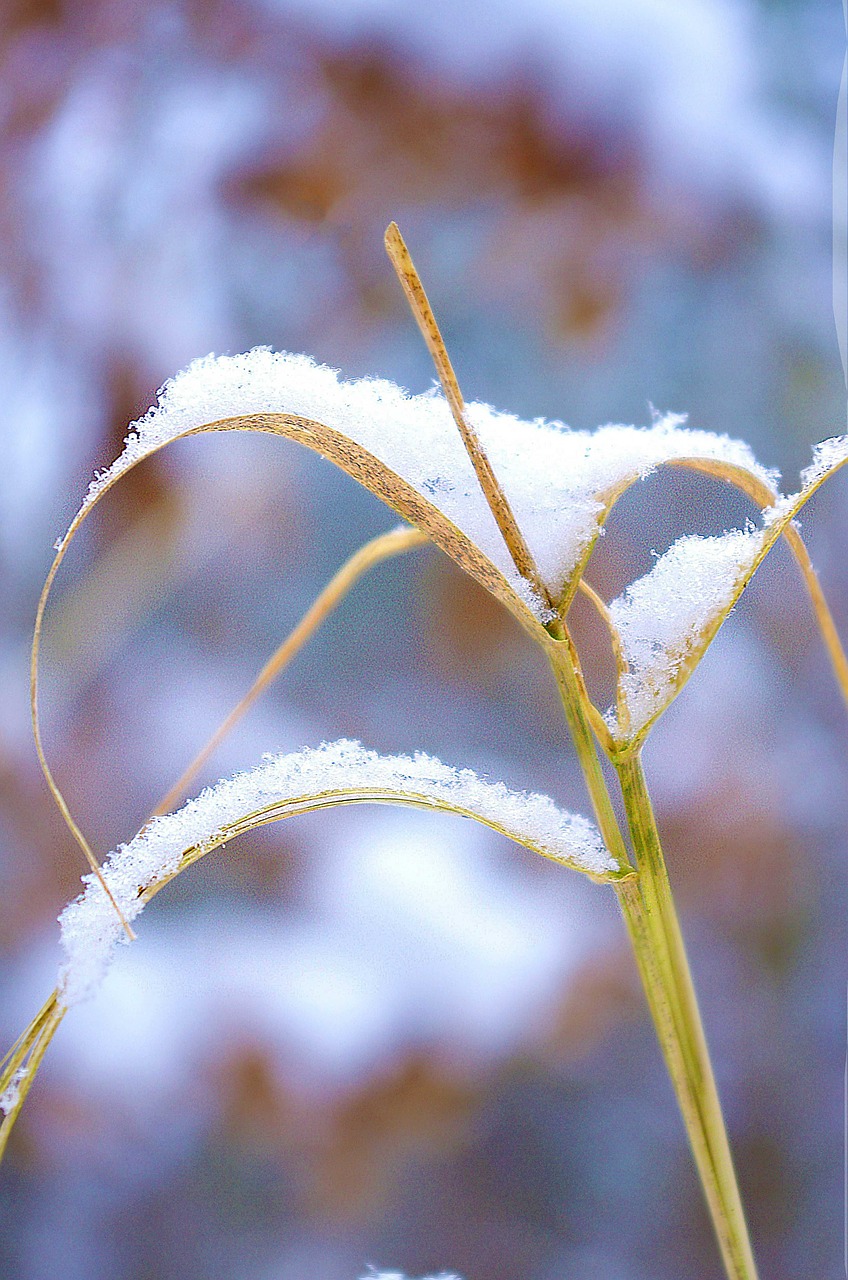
(499, 504)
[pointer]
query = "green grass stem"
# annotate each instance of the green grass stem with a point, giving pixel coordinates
(664, 967)
(651, 919)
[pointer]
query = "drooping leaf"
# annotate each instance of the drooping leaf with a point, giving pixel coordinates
(406, 450)
(304, 781)
(282, 787)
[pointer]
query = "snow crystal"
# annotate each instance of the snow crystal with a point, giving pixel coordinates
(90, 926)
(662, 616)
(555, 478)
(398, 1275)
(826, 455)
(781, 510)
(11, 1095)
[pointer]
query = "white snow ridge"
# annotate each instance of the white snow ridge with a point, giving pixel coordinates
(288, 784)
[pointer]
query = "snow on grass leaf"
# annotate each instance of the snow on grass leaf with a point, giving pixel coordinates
(663, 617)
(668, 618)
(406, 449)
(284, 785)
(828, 455)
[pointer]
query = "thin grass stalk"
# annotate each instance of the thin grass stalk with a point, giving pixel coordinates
(821, 609)
(655, 981)
(663, 964)
(658, 988)
(386, 545)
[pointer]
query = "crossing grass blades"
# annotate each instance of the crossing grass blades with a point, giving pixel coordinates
(519, 506)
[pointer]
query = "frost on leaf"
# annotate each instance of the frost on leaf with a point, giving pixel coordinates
(11, 1095)
(667, 618)
(559, 482)
(284, 785)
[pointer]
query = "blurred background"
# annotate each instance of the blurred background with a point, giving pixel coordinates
(380, 1037)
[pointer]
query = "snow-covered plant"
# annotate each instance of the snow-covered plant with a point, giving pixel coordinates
(519, 505)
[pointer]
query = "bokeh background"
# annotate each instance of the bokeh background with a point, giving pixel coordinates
(379, 1037)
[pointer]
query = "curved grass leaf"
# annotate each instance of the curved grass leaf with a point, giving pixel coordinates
(453, 479)
(758, 486)
(333, 774)
(559, 483)
(282, 787)
(153, 434)
(668, 619)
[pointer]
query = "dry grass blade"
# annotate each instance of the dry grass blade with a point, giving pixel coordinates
(373, 474)
(498, 502)
(765, 498)
(621, 664)
(394, 543)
